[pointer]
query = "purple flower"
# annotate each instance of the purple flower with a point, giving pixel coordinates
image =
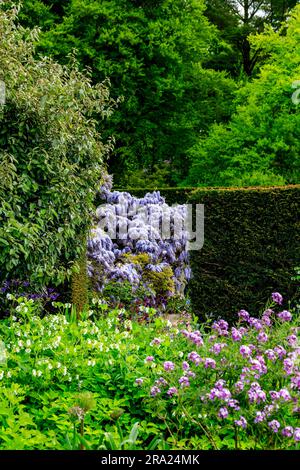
(149, 358)
(233, 404)
(168, 365)
(266, 320)
(245, 351)
(288, 431)
(185, 365)
(262, 337)
(280, 351)
(194, 357)
(155, 391)
(292, 340)
(257, 324)
(241, 422)
(190, 373)
(236, 334)
(270, 354)
(161, 381)
(239, 385)
(217, 348)
(223, 413)
(274, 395)
(297, 434)
(285, 394)
(156, 341)
(260, 417)
(184, 381)
(139, 381)
(209, 363)
(277, 298)
(288, 366)
(196, 338)
(285, 315)
(220, 384)
(274, 425)
(243, 315)
(295, 381)
(172, 391)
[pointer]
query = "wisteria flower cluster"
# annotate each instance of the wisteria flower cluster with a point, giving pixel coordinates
(128, 227)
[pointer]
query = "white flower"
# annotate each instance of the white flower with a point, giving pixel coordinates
(50, 366)
(28, 342)
(9, 296)
(34, 372)
(13, 317)
(1, 375)
(58, 365)
(65, 370)
(180, 354)
(8, 375)
(39, 373)
(27, 350)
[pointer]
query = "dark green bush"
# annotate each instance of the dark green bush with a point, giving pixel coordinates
(251, 246)
(51, 158)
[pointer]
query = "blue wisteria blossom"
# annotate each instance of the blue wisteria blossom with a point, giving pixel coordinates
(127, 225)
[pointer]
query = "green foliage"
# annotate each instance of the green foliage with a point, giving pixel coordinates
(261, 143)
(251, 246)
(152, 53)
(51, 156)
(50, 358)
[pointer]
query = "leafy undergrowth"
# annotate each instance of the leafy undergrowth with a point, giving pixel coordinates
(68, 385)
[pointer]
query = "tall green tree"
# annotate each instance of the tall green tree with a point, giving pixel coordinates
(261, 143)
(152, 52)
(237, 20)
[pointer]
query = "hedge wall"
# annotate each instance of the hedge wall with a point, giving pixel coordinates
(251, 246)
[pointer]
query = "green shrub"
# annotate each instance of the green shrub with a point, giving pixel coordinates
(251, 245)
(51, 158)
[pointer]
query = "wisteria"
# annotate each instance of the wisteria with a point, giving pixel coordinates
(128, 226)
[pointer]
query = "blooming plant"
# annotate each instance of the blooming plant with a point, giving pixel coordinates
(71, 384)
(128, 244)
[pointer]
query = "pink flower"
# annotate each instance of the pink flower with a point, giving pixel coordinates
(149, 358)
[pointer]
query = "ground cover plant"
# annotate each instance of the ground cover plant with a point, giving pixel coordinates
(69, 384)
